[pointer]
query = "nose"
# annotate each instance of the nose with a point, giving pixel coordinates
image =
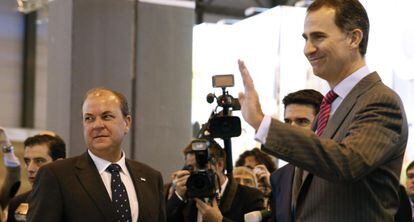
(98, 123)
(31, 167)
(309, 48)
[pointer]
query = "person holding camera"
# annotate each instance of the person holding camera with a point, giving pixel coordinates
(193, 202)
(262, 166)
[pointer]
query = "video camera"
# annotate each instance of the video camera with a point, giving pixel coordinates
(201, 182)
(222, 124)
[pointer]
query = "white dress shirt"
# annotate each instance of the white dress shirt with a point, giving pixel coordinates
(342, 90)
(102, 164)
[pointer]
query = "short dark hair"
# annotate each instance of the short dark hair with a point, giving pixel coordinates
(57, 147)
(308, 97)
(122, 99)
(349, 15)
(260, 156)
(411, 165)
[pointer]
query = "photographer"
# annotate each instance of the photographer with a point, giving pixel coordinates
(231, 203)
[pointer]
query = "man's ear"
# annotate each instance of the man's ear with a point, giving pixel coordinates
(355, 36)
(128, 123)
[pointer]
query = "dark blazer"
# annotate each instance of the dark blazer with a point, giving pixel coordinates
(10, 185)
(356, 163)
(14, 204)
(237, 200)
(281, 182)
(72, 190)
(404, 213)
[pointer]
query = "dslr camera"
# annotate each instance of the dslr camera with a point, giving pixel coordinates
(201, 183)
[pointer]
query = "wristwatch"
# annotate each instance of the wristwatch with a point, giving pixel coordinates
(7, 148)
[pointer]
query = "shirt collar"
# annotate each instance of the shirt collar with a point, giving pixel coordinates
(346, 85)
(102, 164)
(223, 187)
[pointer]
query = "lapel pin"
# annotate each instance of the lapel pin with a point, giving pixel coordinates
(143, 179)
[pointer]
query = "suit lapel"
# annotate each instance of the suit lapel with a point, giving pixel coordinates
(228, 195)
(139, 180)
(92, 182)
(339, 116)
(349, 102)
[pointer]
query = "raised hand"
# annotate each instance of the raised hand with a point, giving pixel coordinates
(249, 100)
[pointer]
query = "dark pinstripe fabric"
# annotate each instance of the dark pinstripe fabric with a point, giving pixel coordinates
(355, 165)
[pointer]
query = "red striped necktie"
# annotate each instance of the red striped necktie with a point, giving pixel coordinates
(324, 111)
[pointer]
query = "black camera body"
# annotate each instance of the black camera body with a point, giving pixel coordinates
(223, 124)
(202, 181)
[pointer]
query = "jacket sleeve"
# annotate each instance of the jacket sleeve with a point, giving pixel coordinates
(45, 200)
(174, 209)
(10, 185)
(374, 133)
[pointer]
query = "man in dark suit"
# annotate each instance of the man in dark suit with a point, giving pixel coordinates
(234, 200)
(349, 170)
(101, 184)
(38, 150)
(409, 186)
(301, 108)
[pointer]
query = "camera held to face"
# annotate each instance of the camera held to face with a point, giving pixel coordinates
(201, 183)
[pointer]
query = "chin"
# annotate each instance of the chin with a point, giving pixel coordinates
(100, 147)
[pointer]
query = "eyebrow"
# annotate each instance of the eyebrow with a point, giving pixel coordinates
(313, 34)
(106, 112)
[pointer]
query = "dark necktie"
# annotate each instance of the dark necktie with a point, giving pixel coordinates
(324, 111)
(120, 199)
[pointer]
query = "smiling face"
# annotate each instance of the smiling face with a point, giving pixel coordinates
(104, 125)
(332, 53)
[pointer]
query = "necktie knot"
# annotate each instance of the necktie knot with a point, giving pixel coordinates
(330, 97)
(114, 168)
(324, 111)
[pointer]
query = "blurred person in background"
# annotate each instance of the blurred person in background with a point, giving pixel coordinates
(11, 181)
(245, 176)
(39, 150)
(262, 165)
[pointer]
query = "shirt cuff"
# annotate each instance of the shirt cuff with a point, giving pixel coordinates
(261, 134)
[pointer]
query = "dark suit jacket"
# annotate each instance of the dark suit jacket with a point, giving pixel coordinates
(281, 181)
(14, 204)
(72, 190)
(404, 213)
(355, 165)
(237, 200)
(10, 185)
